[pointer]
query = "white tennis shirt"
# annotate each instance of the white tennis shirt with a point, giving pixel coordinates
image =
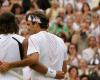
(9, 52)
(51, 50)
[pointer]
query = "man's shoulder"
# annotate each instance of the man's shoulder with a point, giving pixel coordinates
(18, 37)
(34, 35)
(58, 38)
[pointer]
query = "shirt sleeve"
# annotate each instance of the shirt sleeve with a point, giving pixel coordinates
(33, 46)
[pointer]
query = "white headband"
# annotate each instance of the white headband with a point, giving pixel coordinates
(35, 19)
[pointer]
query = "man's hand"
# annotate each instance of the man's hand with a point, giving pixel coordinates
(4, 67)
(60, 75)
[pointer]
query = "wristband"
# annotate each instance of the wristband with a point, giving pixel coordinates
(51, 73)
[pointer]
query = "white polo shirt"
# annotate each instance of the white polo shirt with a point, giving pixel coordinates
(51, 50)
(9, 52)
(88, 54)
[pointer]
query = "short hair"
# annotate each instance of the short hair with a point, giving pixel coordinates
(91, 36)
(82, 76)
(8, 24)
(73, 67)
(41, 16)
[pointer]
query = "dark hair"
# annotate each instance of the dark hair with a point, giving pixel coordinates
(1, 3)
(41, 16)
(59, 16)
(82, 76)
(63, 36)
(14, 7)
(32, 6)
(43, 4)
(84, 5)
(73, 67)
(76, 47)
(26, 5)
(91, 37)
(8, 23)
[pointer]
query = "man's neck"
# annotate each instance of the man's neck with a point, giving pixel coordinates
(40, 30)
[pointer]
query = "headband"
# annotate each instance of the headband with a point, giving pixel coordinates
(34, 19)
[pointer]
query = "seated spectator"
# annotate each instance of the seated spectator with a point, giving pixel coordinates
(61, 12)
(69, 26)
(26, 5)
(97, 9)
(78, 19)
(63, 3)
(73, 57)
(83, 67)
(75, 38)
(69, 10)
(43, 4)
(52, 12)
(85, 9)
(5, 7)
(32, 8)
(57, 26)
(16, 9)
(95, 26)
(79, 4)
(83, 35)
(84, 77)
(95, 73)
(89, 53)
(72, 73)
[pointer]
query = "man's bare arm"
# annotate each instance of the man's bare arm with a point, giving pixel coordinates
(64, 68)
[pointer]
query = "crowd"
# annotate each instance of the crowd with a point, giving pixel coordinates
(76, 22)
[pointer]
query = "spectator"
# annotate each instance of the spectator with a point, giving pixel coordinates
(72, 73)
(43, 4)
(16, 9)
(75, 38)
(70, 30)
(85, 9)
(84, 77)
(79, 4)
(32, 8)
(83, 67)
(5, 6)
(73, 57)
(78, 19)
(26, 5)
(83, 35)
(69, 10)
(97, 9)
(57, 26)
(88, 54)
(53, 11)
(95, 26)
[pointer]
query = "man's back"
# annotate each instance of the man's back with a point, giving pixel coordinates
(10, 53)
(51, 49)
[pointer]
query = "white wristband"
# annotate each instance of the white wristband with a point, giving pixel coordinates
(51, 73)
